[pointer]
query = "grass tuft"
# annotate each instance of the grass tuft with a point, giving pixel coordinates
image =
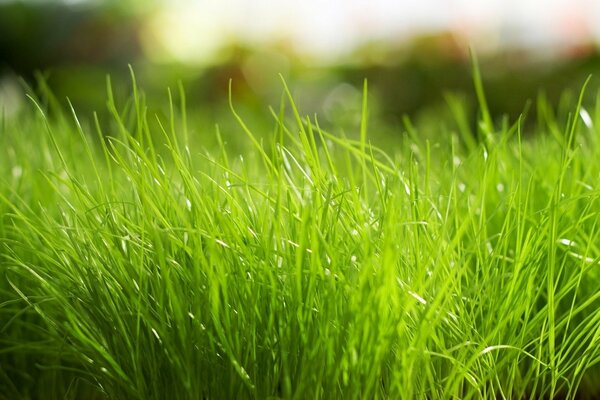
(137, 264)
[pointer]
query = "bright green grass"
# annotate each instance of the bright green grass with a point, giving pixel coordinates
(137, 264)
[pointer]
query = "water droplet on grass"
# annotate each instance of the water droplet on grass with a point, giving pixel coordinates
(417, 297)
(566, 242)
(156, 334)
(124, 243)
(222, 243)
(583, 258)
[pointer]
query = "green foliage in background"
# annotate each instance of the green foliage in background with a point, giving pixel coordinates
(142, 259)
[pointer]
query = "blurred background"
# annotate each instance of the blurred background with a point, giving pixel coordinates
(414, 54)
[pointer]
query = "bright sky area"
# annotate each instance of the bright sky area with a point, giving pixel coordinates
(329, 28)
(194, 30)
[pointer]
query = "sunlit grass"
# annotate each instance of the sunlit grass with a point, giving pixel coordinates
(137, 262)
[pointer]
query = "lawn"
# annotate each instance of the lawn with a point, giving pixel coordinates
(143, 258)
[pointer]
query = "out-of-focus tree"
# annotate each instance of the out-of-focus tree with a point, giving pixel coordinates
(38, 35)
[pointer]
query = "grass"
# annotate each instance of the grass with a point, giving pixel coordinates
(141, 260)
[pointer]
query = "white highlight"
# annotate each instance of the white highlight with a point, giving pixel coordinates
(585, 116)
(566, 242)
(417, 297)
(17, 171)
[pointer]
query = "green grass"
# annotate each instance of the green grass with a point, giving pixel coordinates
(142, 259)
